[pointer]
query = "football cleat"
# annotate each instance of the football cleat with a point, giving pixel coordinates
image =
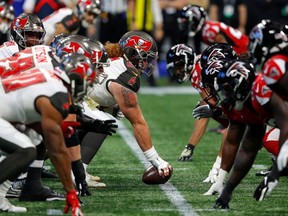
(6, 206)
(265, 188)
(92, 178)
(40, 194)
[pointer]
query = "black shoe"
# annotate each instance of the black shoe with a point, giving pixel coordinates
(42, 194)
(221, 204)
(48, 174)
(264, 172)
(265, 188)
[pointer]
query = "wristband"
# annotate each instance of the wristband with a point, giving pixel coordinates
(151, 154)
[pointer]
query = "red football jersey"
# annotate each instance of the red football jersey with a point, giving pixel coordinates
(234, 37)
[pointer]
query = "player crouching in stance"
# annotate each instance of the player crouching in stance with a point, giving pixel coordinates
(40, 99)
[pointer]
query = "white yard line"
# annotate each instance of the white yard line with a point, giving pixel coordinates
(183, 207)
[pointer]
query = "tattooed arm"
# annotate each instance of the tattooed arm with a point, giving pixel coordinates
(128, 104)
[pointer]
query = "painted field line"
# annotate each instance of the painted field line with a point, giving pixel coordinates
(168, 90)
(176, 198)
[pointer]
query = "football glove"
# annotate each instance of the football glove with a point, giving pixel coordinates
(212, 177)
(187, 153)
(98, 126)
(163, 167)
(68, 128)
(202, 111)
(265, 188)
(216, 188)
(83, 189)
(72, 202)
(282, 158)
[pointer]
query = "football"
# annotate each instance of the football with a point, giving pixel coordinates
(152, 177)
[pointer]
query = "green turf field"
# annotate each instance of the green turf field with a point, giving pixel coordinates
(171, 123)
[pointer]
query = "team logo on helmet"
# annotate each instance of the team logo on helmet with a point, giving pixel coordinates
(238, 68)
(96, 55)
(182, 50)
(74, 47)
(214, 67)
(138, 43)
(20, 22)
(215, 54)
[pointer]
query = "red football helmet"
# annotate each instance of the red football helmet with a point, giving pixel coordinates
(27, 30)
(81, 72)
(140, 49)
(7, 16)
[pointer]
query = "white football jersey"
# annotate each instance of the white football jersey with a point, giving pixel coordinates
(99, 92)
(50, 21)
(19, 92)
(39, 56)
(8, 49)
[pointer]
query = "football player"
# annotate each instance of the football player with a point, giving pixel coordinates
(26, 30)
(66, 20)
(45, 98)
(193, 21)
(183, 65)
(135, 54)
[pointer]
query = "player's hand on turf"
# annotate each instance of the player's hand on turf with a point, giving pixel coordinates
(221, 204)
(212, 177)
(216, 188)
(202, 111)
(282, 158)
(186, 154)
(72, 202)
(83, 189)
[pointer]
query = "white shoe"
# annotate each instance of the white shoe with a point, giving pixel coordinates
(93, 178)
(95, 184)
(6, 206)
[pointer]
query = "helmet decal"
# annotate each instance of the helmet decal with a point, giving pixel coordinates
(214, 67)
(137, 42)
(75, 48)
(238, 69)
(20, 22)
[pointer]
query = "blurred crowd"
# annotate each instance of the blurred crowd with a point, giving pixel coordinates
(159, 18)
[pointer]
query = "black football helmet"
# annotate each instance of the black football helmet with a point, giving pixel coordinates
(234, 82)
(7, 15)
(73, 44)
(191, 19)
(180, 62)
(140, 49)
(27, 30)
(266, 38)
(81, 72)
(218, 51)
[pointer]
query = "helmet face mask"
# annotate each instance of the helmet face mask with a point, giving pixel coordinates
(140, 49)
(27, 30)
(234, 83)
(180, 62)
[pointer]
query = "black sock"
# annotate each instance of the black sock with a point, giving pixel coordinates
(78, 171)
(90, 146)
